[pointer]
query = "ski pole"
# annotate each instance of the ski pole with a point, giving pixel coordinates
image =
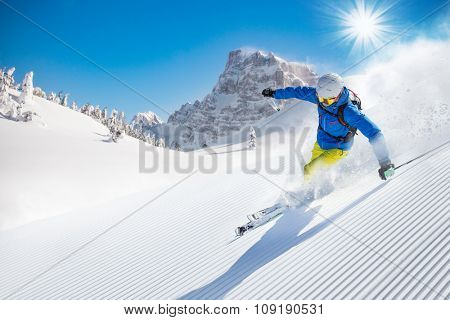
(422, 155)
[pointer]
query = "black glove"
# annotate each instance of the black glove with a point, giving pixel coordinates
(268, 92)
(386, 170)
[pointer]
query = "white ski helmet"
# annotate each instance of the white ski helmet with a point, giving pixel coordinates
(329, 85)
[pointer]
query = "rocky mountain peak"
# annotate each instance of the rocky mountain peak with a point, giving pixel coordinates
(235, 101)
(145, 120)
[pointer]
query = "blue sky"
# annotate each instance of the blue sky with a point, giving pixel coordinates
(173, 52)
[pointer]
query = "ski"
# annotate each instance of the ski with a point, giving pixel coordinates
(260, 218)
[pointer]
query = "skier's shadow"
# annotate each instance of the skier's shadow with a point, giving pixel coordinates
(282, 237)
(278, 240)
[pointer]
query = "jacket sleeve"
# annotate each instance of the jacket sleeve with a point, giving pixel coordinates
(357, 119)
(302, 93)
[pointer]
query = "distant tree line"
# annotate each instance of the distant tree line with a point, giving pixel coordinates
(115, 121)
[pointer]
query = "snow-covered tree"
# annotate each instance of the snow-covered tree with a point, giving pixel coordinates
(10, 108)
(4, 96)
(115, 133)
(65, 100)
(8, 77)
(51, 96)
(112, 120)
(105, 113)
(175, 146)
(6, 103)
(97, 114)
(161, 143)
(39, 92)
(150, 139)
(59, 97)
(127, 129)
(90, 110)
(27, 89)
(252, 138)
(23, 116)
(121, 119)
(74, 106)
(201, 140)
(86, 109)
(114, 115)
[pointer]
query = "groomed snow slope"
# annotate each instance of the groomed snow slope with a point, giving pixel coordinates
(167, 235)
(365, 240)
(369, 241)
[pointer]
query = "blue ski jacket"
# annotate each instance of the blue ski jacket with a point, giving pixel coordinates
(330, 123)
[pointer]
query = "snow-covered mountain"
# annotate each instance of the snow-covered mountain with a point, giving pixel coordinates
(145, 121)
(235, 101)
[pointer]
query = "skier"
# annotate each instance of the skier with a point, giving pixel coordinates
(339, 118)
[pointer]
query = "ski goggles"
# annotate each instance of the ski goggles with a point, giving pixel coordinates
(328, 101)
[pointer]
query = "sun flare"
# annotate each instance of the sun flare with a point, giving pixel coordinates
(362, 25)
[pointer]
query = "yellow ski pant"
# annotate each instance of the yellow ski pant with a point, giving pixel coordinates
(322, 158)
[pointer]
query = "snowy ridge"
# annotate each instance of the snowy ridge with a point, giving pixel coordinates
(63, 161)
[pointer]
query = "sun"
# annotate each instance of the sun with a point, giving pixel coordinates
(363, 25)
